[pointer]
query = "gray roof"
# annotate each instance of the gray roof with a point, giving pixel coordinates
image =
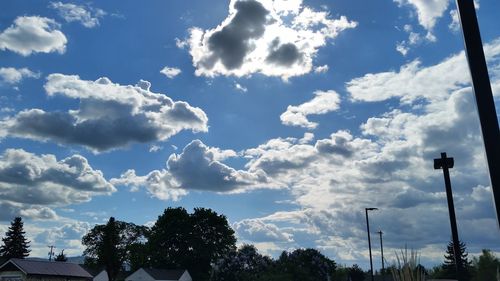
(165, 274)
(48, 268)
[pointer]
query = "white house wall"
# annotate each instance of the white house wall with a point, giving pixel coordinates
(4, 275)
(102, 276)
(185, 277)
(140, 275)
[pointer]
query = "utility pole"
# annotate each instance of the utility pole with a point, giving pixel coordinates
(369, 240)
(382, 253)
(483, 94)
(51, 252)
(447, 163)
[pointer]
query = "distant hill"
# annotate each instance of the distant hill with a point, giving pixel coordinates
(77, 259)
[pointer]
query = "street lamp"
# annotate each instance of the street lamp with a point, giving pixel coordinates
(369, 241)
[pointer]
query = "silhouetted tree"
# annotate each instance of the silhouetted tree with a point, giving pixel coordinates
(15, 244)
(449, 266)
(61, 256)
(108, 245)
(486, 266)
(194, 241)
(356, 273)
(245, 264)
(306, 264)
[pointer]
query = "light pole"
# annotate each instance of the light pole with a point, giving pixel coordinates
(369, 241)
(382, 252)
(447, 163)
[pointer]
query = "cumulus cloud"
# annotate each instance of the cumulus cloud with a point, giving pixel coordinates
(31, 184)
(109, 116)
(322, 103)
(87, 16)
(170, 72)
(198, 167)
(274, 38)
(428, 12)
(388, 165)
(12, 76)
(33, 34)
(259, 231)
(413, 82)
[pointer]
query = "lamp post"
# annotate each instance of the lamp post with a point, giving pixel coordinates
(369, 241)
(381, 252)
(447, 163)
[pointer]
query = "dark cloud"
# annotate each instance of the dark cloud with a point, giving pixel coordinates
(285, 55)
(99, 134)
(110, 115)
(26, 178)
(196, 168)
(231, 44)
(339, 145)
(10, 210)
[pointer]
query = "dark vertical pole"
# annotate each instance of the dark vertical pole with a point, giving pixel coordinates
(369, 240)
(484, 97)
(382, 252)
(445, 163)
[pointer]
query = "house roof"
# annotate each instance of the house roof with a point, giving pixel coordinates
(48, 268)
(165, 274)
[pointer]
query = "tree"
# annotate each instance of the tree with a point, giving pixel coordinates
(194, 241)
(15, 244)
(306, 264)
(356, 273)
(487, 266)
(61, 257)
(245, 264)
(449, 268)
(109, 245)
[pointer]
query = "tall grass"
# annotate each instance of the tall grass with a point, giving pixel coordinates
(407, 268)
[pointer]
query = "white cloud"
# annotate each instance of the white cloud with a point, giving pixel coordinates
(155, 148)
(11, 75)
(109, 116)
(321, 69)
(88, 17)
(322, 103)
(170, 72)
(428, 11)
(30, 184)
(414, 82)
(389, 165)
(264, 37)
(33, 35)
(198, 167)
(240, 88)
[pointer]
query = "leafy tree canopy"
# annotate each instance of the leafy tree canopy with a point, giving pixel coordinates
(109, 245)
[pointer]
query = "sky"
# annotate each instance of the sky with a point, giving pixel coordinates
(289, 117)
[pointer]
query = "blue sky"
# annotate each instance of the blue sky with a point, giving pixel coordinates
(289, 117)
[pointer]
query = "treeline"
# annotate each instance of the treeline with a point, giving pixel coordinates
(205, 244)
(201, 242)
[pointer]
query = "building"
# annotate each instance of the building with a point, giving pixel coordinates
(34, 270)
(153, 274)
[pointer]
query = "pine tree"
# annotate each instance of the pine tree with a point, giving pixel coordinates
(15, 244)
(449, 266)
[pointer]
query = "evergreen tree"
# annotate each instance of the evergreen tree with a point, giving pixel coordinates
(15, 244)
(487, 266)
(449, 266)
(61, 256)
